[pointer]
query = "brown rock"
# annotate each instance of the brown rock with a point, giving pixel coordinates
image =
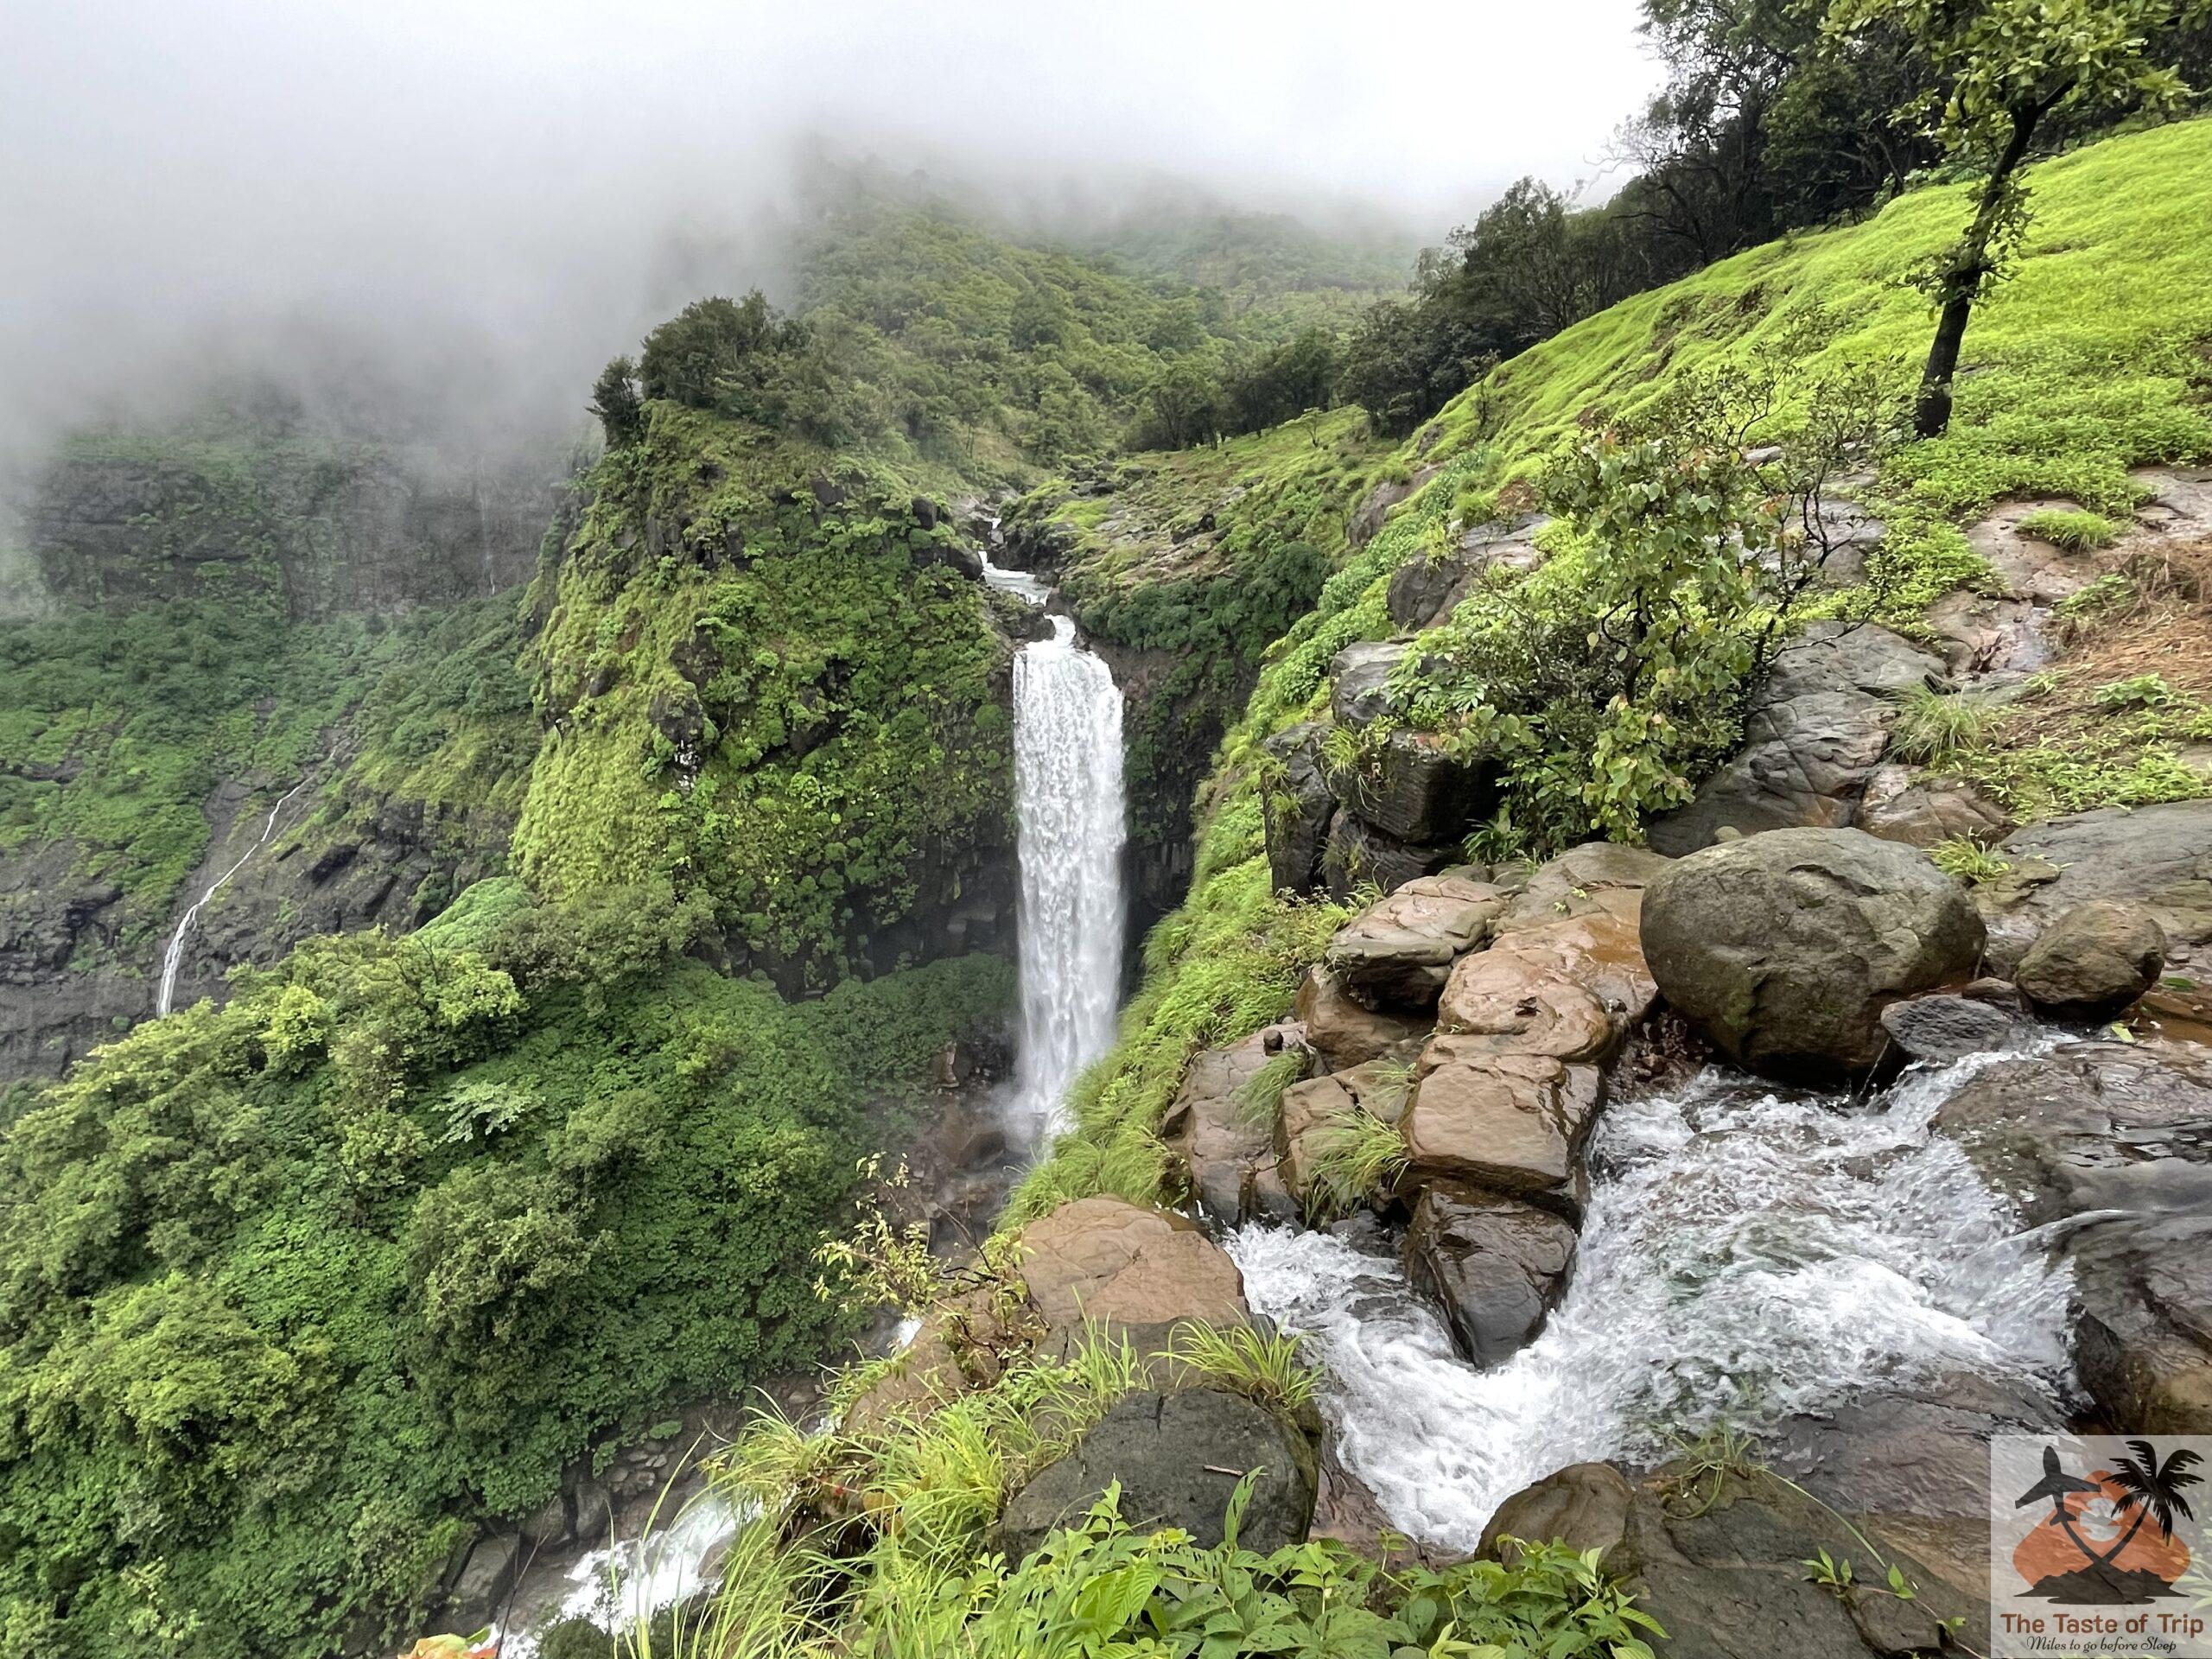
(1398, 952)
(2094, 960)
(1584, 1506)
(1341, 1030)
(1512, 1121)
(1227, 1150)
(1504, 1004)
(1106, 1261)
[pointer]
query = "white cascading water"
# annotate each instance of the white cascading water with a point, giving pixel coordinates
(1746, 1255)
(173, 959)
(1067, 778)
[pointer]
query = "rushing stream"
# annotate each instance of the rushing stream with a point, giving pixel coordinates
(1067, 774)
(1748, 1254)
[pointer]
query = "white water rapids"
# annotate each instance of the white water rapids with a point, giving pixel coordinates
(1067, 774)
(1747, 1255)
(173, 959)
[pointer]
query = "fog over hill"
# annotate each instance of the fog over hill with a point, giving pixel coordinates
(466, 209)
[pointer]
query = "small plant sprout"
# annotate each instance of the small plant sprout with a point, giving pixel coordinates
(1832, 1574)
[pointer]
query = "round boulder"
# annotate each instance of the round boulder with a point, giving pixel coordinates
(2093, 960)
(1785, 947)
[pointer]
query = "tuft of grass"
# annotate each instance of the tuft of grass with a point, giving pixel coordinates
(1260, 1101)
(1265, 1366)
(2075, 530)
(1355, 1158)
(1934, 730)
(1969, 861)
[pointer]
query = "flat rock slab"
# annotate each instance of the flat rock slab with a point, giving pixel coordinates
(2159, 857)
(1178, 1457)
(1397, 953)
(1503, 1004)
(1514, 1122)
(1106, 1261)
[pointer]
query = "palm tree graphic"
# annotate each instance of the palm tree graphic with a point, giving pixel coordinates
(2152, 1489)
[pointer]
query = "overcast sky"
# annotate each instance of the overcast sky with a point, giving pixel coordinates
(500, 179)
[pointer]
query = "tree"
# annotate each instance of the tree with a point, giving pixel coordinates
(616, 400)
(2152, 1489)
(2002, 69)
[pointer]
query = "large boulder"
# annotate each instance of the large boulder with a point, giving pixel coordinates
(1502, 1005)
(1513, 1122)
(1140, 1271)
(1227, 1148)
(1359, 681)
(1178, 1457)
(1785, 947)
(1496, 1265)
(2159, 857)
(1398, 952)
(2093, 960)
(1813, 737)
(1343, 1031)
(2116, 1139)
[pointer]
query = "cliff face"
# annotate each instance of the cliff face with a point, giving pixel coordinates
(326, 527)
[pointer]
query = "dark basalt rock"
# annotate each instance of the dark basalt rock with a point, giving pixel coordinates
(1357, 854)
(1178, 1457)
(1942, 1028)
(1784, 948)
(2159, 857)
(1297, 813)
(1498, 1267)
(2093, 960)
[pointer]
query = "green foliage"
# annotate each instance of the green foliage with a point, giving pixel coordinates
(1268, 1367)
(298, 1285)
(2075, 531)
(618, 401)
(1969, 860)
(1355, 1158)
(1935, 728)
(1260, 1101)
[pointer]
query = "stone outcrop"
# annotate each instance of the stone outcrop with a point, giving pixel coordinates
(1139, 1272)
(1496, 1265)
(1514, 1123)
(2156, 857)
(2116, 1139)
(1319, 1106)
(1178, 1458)
(1228, 1151)
(1813, 739)
(1397, 954)
(1299, 809)
(1343, 1031)
(1785, 947)
(2093, 960)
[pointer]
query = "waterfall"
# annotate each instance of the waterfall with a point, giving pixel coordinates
(1067, 771)
(173, 959)
(1748, 1255)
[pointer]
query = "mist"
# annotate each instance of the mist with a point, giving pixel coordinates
(458, 211)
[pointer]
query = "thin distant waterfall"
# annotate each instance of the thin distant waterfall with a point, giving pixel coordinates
(173, 959)
(1067, 771)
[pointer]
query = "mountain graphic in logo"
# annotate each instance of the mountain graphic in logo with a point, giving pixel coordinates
(2109, 1538)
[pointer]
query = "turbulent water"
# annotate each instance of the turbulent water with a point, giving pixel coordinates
(173, 959)
(1747, 1255)
(1067, 771)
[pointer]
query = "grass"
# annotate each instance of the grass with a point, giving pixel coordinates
(1935, 728)
(1352, 1158)
(1259, 1102)
(1969, 860)
(2077, 532)
(1265, 1366)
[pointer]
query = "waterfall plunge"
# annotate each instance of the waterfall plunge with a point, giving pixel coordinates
(1067, 771)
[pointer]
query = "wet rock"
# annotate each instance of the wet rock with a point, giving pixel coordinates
(1496, 1265)
(1784, 948)
(1497, 1003)
(1584, 1506)
(1921, 811)
(1357, 854)
(1178, 1458)
(1398, 952)
(1579, 881)
(1813, 737)
(2093, 960)
(1228, 1151)
(1423, 592)
(1359, 681)
(2159, 857)
(1298, 812)
(1516, 1122)
(1106, 1261)
(2116, 1139)
(1341, 1029)
(1318, 1104)
(1948, 1028)
(1597, 943)
(1416, 790)
(485, 1580)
